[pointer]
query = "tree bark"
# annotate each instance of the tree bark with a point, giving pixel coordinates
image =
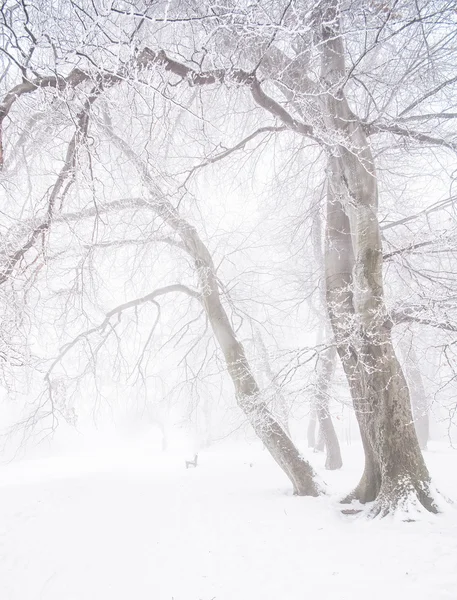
(395, 474)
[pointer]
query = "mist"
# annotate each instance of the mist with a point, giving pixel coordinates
(228, 299)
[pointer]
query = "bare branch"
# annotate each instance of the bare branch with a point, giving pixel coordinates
(408, 133)
(118, 310)
(416, 246)
(435, 207)
(408, 315)
(222, 76)
(60, 189)
(72, 80)
(239, 146)
(429, 94)
(428, 116)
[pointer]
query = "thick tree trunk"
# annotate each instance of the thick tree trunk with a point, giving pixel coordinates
(419, 401)
(340, 261)
(394, 467)
(395, 473)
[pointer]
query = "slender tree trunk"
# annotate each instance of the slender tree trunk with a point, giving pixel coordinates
(327, 438)
(395, 473)
(248, 394)
(320, 444)
(311, 432)
(326, 428)
(417, 390)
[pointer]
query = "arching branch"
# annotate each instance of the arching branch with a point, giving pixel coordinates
(118, 310)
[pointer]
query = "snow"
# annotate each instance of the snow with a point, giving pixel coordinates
(131, 523)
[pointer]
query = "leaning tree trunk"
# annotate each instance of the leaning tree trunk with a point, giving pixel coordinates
(395, 472)
(248, 394)
(419, 402)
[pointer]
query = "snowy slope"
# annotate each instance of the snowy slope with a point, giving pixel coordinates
(131, 525)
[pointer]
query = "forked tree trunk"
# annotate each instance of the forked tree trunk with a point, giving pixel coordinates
(248, 394)
(340, 262)
(395, 474)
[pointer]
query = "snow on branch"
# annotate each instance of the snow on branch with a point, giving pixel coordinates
(239, 146)
(412, 134)
(58, 192)
(146, 59)
(413, 315)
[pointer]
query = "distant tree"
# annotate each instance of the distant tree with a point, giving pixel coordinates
(416, 387)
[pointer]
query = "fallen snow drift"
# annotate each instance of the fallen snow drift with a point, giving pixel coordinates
(139, 526)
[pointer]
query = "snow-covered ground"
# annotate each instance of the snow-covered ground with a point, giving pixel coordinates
(132, 524)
